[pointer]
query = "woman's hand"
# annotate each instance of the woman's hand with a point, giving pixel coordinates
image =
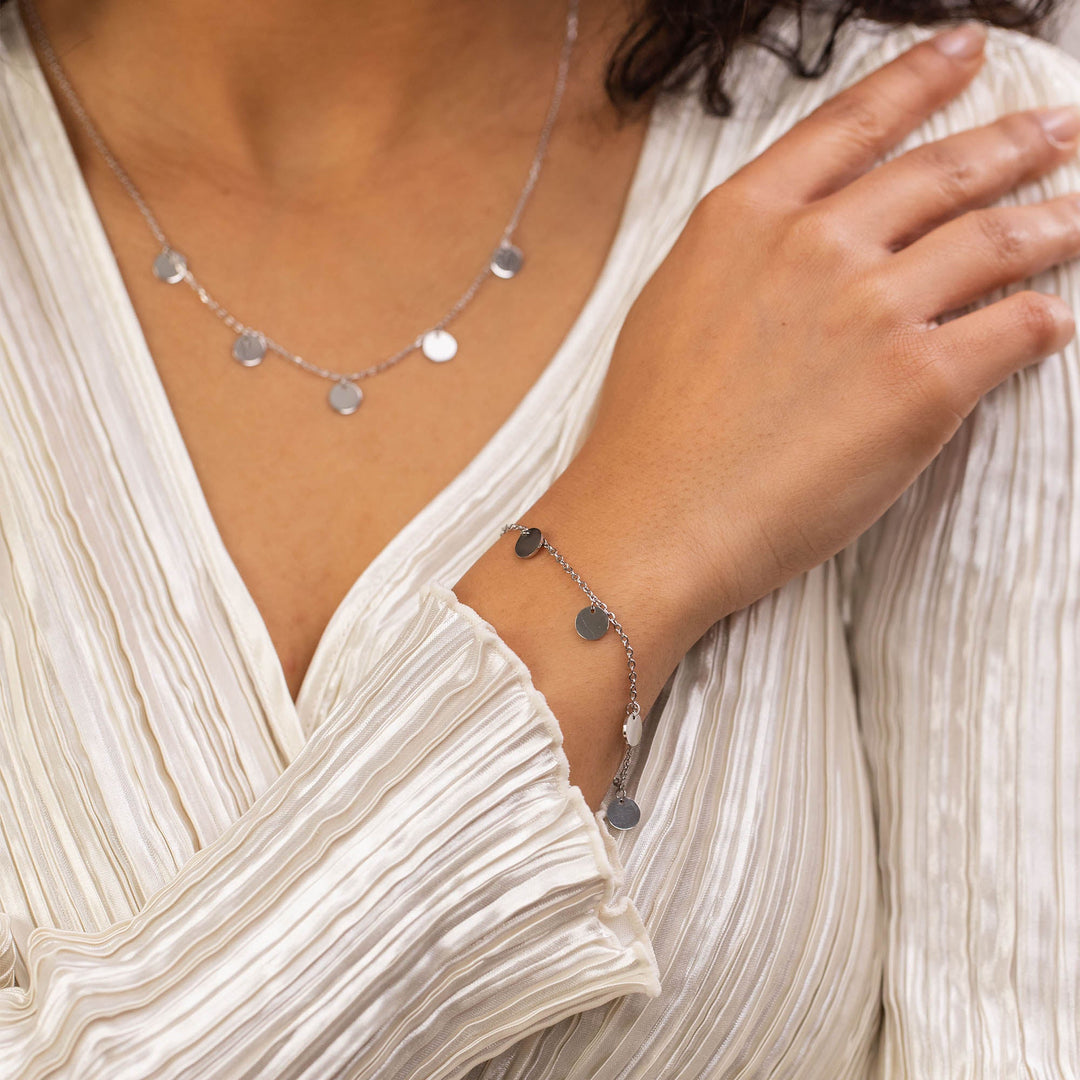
(779, 382)
(783, 378)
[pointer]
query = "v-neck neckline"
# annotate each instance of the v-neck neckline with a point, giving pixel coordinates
(257, 647)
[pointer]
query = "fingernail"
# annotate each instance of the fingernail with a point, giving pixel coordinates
(963, 42)
(1061, 124)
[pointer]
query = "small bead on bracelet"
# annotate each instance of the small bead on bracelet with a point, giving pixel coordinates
(592, 623)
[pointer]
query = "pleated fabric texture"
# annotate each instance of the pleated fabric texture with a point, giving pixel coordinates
(965, 618)
(860, 850)
(321, 932)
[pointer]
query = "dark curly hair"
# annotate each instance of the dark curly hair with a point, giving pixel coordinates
(669, 42)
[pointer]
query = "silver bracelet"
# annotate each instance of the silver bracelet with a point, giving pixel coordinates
(592, 623)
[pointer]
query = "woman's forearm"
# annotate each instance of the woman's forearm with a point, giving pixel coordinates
(629, 564)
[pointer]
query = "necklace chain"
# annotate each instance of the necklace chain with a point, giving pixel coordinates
(251, 344)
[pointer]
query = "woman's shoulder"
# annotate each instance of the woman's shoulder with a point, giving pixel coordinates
(1018, 66)
(1002, 42)
(24, 96)
(1019, 72)
(15, 57)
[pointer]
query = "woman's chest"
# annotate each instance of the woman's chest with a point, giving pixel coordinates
(305, 497)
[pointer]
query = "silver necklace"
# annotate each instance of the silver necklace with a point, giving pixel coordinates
(252, 345)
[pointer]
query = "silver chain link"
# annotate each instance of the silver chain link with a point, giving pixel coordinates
(619, 781)
(52, 62)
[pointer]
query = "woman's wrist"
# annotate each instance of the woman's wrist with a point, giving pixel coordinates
(532, 604)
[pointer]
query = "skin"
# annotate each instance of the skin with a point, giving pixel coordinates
(337, 173)
(714, 472)
(759, 415)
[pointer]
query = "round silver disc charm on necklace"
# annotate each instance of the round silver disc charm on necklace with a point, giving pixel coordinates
(507, 260)
(249, 348)
(345, 397)
(170, 266)
(439, 345)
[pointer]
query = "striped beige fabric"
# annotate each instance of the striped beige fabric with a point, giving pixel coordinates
(860, 855)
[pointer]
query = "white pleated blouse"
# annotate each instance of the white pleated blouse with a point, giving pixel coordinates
(860, 849)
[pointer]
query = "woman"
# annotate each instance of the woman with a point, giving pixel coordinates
(302, 768)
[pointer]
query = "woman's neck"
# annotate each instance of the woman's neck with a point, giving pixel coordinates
(308, 96)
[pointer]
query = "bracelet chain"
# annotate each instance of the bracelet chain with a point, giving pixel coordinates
(632, 707)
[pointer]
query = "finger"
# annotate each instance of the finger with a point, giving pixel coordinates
(975, 352)
(845, 135)
(907, 197)
(964, 259)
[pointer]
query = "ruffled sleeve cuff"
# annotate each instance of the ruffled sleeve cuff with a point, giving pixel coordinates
(420, 889)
